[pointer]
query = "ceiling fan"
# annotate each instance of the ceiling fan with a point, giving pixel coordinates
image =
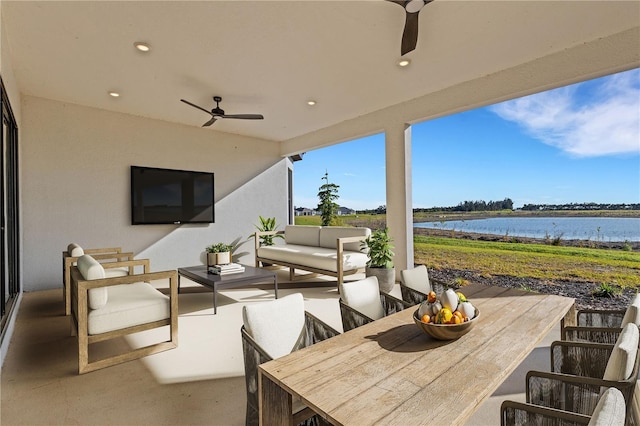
(217, 112)
(410, 35)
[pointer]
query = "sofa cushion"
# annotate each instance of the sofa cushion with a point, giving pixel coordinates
(276, 325)
(302, 235)
(91, 269)
(416, 278)
(330, 234)
(632, 314)
(75, 250)
(610, 410)
(623, 357)
(313, 257)
(363, 296)
(129, 305)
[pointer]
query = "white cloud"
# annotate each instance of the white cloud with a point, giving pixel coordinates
(590, 119)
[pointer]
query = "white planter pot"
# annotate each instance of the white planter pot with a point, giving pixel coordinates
(218, 258)
(386, 277)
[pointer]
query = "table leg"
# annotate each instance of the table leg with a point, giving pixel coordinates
(275, 404)
(215, 300)
(275, 284)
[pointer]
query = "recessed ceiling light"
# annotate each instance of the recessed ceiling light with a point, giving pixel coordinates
(143, 47)
(404, 62)
(114, 94)
(311, 102)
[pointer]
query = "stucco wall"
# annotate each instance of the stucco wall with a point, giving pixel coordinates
(76, 186)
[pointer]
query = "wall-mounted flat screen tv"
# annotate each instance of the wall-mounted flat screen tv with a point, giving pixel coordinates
(160, 196)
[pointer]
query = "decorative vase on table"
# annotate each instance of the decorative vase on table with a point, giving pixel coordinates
(218, 258)
(380, 264)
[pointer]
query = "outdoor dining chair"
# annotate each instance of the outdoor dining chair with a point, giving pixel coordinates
(610, 411)
(274, 329)
(580, 370)
(362, 302)
(602, 325)
(415, 285)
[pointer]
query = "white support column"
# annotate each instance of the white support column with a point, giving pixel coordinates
(399, 196)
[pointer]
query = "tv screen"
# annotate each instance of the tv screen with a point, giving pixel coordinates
(170, 196)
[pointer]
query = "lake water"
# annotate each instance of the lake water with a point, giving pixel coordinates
(568, 228)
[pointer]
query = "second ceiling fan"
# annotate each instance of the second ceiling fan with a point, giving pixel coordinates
(410, 34)
(218, 112)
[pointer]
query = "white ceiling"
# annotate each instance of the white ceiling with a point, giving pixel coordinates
(270, 57)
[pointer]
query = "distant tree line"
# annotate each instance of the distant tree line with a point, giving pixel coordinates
(581, 206)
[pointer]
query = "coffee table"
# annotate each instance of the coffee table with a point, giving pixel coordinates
(251, 275)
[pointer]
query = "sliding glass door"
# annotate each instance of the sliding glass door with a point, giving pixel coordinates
(9, 218)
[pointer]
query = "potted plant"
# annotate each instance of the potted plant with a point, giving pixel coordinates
(266, 224)
(380, 263)
(219, 254)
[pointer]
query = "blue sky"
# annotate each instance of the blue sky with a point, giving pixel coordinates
(579, 143)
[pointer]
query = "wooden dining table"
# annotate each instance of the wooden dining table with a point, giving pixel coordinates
(389, 372)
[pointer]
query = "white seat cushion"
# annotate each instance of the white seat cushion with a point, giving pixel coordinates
(91, 269)
(632, 314)
(276, 325)
(116, 272)
(75, 250)
(129, 305)
(313, 257)
(416, 278)
(302, 235)
(329, 236)
(623, 357)
(610, 409)
(363, 296)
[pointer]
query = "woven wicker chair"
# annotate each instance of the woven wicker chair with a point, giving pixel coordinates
(602, 326)
(362, 302)
(415, 284)
(609, 411)
(580, 370)
(286, 312)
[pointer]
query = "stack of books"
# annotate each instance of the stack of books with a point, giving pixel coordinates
(229, 268)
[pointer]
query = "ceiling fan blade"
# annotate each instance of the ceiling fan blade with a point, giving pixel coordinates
(245, 116)
(210, 122)
(410, 34)
(196, 106)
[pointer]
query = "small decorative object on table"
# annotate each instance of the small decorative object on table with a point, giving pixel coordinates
(229, 268)
(219, 254)
(447, 317)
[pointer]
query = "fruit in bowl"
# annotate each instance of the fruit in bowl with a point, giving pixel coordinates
(446, 317)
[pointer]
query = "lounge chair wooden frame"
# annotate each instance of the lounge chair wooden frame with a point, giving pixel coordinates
(80, 312)
(107, 253)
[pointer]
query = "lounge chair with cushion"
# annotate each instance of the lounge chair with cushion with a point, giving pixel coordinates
(106, 308)
(415, 285)
(105, 254)
(362, 302)
(274, 329)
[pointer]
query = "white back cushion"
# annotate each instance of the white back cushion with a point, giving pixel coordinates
(302, 235)
(276, 325)
(632, 315)
(416, 278)
(75, 250)
(610, 409)
(91, 269)
(329, 236)
(363, 296)
(622, 359)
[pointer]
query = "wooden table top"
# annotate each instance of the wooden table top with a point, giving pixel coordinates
(390, 372)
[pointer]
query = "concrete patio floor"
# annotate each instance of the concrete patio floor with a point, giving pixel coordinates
(200, 382)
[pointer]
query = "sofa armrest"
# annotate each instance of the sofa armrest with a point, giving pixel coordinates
(130, 263)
